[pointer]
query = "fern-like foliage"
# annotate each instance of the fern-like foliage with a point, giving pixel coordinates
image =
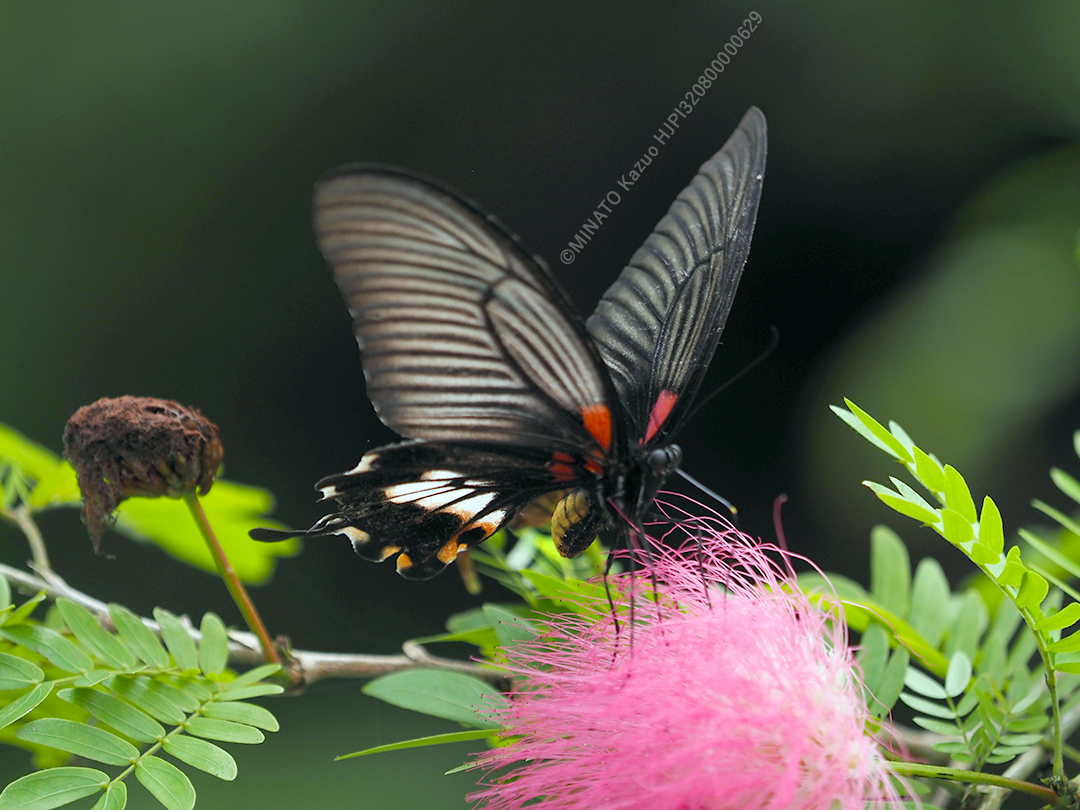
(71, 688)
(992, 704)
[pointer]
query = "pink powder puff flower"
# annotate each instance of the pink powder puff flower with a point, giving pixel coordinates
(736, 695)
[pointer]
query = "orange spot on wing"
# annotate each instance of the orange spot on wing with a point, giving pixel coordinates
(661, 410)
(565, 458)
(597, 419)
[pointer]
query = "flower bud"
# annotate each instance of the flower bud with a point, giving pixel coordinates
(138, 446)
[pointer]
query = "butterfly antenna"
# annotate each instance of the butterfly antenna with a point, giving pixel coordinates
(705, 400)
(734, 510)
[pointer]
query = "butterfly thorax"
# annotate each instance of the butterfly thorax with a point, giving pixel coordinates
(630, 488)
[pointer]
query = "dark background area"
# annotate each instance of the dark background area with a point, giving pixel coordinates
(915, 248)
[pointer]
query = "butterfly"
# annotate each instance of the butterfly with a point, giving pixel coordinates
(473, 353)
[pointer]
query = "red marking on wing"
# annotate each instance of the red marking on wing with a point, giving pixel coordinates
(565, 458)
(562, 471)
(597, 419)
(661, 410)
(593, 467)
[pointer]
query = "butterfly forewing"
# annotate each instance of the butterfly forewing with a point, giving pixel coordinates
(659, 323)
(464, 335)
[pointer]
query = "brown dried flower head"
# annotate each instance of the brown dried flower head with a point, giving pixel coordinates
(138, 446)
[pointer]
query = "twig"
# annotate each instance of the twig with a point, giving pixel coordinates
(232, 581)
(305, 666)
(22, 518)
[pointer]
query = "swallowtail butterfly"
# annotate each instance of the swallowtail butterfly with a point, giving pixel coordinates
(474, 354)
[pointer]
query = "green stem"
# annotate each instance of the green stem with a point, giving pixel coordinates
(232, 581)
(1069, 751)
(958, 775)
(1051, 685)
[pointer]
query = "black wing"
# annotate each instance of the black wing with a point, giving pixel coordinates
(465, 336)
(658, 325)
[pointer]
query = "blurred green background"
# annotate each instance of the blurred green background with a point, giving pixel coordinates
(916, 248)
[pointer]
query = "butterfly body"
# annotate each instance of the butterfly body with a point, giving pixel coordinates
(474, 354)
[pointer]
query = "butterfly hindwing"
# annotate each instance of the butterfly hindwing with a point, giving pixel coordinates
(430, 500)
(658, 325)
(465, 336)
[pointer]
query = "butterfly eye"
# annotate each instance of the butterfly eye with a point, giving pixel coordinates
(664, 460)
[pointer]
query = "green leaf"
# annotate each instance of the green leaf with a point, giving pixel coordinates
(114, 797)
(24, 610)
(25, 704)
(928, 707)
(452, 695)
(1051, 553)
(1066, 483)
(177, 639)
(122, 716)
(1013, 573)
(54, 787)
(959, 674)
(60, 652)
(923, 685)
(892, 682)
(93, 677)
(509, 628)
(937, 726)
(1026, 740)
(957, 494)
(203, 755)
(1033, 590)
(166, 782)
(79, 739)
(139, 638)
(871, 430)
(5, 593)
(1028, 724)
(928, 470)
(247, 713)
(904, 507)
(1068, 644)
(956, 528)
(573, 594)
(195, 690)
(967, 627)
(87, 630)
(59, 488)
(421, 742)
(18, 673)
(1066, 522)
(991, 531)
(873, 655)
(214, 646)
(224, 730)
(890, 570)
(1066, 617)
(248, 692)
(34, 459)
(253, 676)
(232, 509)
(151, 697)
(929, 600)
